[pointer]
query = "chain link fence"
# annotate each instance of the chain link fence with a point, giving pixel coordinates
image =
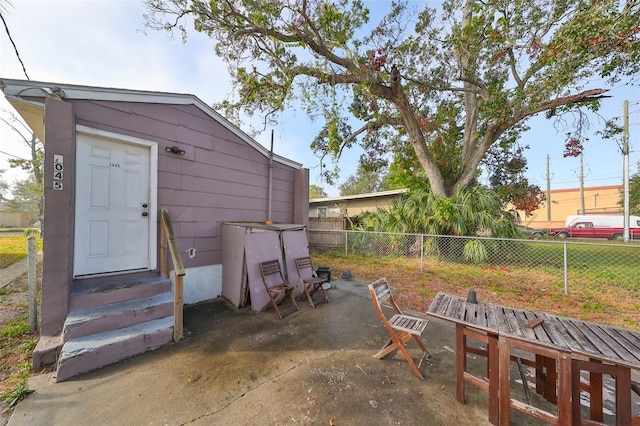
(13, 255)
(19, 257)
(594, 264)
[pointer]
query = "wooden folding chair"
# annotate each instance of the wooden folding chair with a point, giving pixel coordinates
(311, 283)
(277, 288)
(402, 328)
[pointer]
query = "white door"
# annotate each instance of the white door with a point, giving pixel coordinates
(112, 223)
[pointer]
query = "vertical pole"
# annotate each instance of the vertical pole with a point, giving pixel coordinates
(625, 169)
(566, 270)
(548, 191)
(421, 251)
(582, 209)
(346, 236)
(268, 222)
(32, 288)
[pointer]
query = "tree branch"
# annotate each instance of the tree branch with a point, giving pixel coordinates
(322, 77)
(370, 126)
(318, 48)
(583, 97)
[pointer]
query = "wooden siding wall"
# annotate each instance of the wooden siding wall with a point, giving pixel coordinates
(327, 239)
(17, 219)
(332, 223)
(220, 177)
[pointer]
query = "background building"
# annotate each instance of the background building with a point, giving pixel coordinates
(561, 203)
(353, 205)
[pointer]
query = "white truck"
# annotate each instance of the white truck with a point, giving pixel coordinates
(596, 226)
(599, 221)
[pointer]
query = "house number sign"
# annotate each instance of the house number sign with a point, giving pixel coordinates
(58, 171)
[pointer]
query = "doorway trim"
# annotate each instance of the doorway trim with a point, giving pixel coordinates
(153, 188)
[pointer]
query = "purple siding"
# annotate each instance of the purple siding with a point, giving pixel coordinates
(58, 225)
(220, 178)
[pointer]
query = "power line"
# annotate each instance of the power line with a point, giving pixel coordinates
(15, 48)
(11, 155)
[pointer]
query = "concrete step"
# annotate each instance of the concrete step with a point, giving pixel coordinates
(97, 350)
(46, 352)
(90, 295)
(84, 322)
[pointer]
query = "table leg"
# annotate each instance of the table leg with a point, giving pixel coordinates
(595, 394)
(575, 391)
(596, 369)
(504, 355)
(494, 378)
(550, 390)
(541, 378)
(623, 395)
(565, 408)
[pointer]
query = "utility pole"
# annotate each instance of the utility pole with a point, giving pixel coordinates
(548, 191)
(582, 210)
(625, 168)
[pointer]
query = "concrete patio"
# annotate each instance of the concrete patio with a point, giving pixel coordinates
(241, 367)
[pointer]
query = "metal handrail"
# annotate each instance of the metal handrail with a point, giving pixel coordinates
(168, 241)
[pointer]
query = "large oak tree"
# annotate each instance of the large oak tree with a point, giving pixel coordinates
(457, 82)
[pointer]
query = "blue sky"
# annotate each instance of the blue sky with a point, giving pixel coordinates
(103, 43)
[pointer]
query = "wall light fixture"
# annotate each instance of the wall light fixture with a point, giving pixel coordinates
(175, 150)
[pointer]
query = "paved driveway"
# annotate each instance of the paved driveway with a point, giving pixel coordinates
(240, 367)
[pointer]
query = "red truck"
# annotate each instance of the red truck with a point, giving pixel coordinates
(588, 230)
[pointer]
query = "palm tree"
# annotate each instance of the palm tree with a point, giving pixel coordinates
(471, 212)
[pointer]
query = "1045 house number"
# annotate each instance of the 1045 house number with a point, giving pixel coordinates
(58, 172)
(114, 165)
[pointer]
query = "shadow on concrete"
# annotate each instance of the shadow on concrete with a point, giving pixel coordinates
(241, 367)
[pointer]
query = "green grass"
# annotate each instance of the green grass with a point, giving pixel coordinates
(14, 249)
(21, 388)
(16, 328)
(16, 346)
(16, 341)
(603, 280)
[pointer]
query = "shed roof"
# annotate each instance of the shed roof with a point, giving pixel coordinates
(359, 196)
(27, 97)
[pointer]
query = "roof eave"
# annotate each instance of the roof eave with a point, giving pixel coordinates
(17, 89)
(360, 196)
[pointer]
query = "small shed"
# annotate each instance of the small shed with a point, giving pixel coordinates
(245, 245)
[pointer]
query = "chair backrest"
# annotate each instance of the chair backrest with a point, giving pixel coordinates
(381, 293)
(304, 265)
(271, 273)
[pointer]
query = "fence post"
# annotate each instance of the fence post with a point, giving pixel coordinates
(346, 236)
(32, 260)
(566, 270)
(421, 252)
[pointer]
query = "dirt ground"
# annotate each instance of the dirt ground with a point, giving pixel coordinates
(14, 351)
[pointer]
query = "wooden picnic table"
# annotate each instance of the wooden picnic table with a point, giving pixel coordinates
(563, 347)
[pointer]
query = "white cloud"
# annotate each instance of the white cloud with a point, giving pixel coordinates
(104, 44)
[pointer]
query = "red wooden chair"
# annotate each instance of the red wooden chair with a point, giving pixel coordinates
(311, 283)
(402, 328)
(277, 288)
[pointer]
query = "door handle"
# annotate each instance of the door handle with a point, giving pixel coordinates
(145, 214)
